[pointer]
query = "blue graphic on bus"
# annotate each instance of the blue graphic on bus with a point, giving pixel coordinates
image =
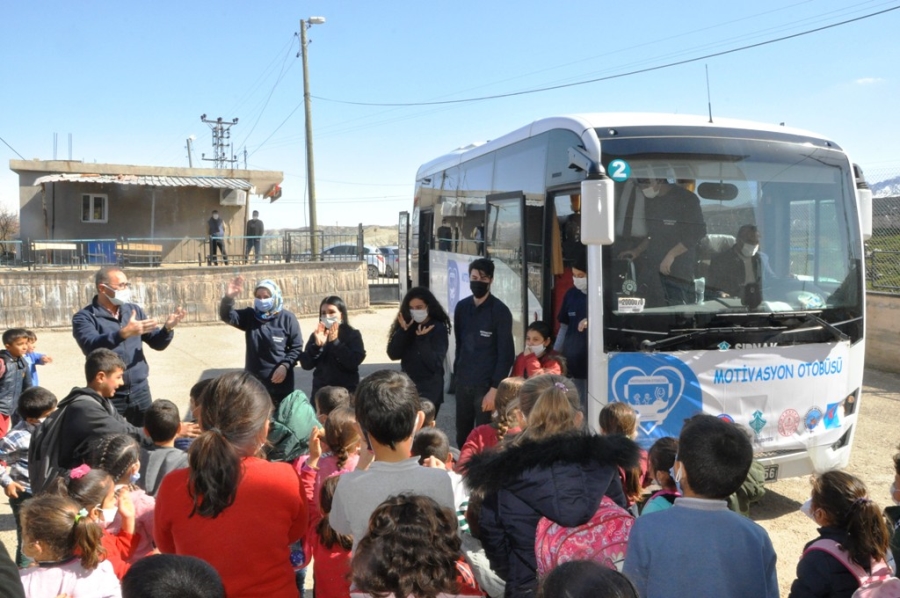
(452, 285)
(832, 418)
(661, 389)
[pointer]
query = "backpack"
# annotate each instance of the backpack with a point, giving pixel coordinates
(290, 427)
(43, 450)
(881, 583)
(603, 539)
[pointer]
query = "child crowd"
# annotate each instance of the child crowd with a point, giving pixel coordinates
(379, 504)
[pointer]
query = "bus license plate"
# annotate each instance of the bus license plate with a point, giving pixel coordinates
(771, 473)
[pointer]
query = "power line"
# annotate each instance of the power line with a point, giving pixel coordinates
(616, 76)
(12, 148)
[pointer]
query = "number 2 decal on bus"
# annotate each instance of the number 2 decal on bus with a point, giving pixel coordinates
(619, 170)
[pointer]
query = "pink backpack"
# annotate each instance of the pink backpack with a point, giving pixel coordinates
(880, 584)
(603, 539)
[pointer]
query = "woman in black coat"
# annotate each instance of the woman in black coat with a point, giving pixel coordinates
(554, 468)
(335, 350)
(419, 339)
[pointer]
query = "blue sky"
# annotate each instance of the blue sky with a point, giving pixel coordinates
(129, 81)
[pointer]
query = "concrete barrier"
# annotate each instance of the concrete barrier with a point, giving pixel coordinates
(49, 298)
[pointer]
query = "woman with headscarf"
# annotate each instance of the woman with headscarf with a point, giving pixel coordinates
(272, 333)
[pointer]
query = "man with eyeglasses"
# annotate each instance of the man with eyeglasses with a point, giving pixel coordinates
(113, 322)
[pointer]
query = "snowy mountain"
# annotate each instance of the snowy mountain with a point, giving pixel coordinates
(886, 188)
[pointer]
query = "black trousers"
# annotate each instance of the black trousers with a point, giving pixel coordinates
(132, 401)
(468, 411)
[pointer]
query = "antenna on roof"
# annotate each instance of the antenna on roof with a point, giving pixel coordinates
(708, 96)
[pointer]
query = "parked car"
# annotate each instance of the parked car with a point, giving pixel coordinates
(348, 252)
(391, 255)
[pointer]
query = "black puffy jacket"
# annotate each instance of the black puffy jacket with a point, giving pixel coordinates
(562, 478)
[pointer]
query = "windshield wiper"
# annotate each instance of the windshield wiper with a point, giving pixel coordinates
(816, 321)
(648, 345)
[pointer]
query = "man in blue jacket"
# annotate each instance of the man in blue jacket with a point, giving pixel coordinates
(113, 322)
(484, 350)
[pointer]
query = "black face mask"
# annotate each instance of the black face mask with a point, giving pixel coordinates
(479, 288)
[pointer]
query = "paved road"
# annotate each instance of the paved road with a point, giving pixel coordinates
(205, 351)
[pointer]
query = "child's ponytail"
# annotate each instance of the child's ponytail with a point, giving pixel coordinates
(327, 536)
(846, 504)
(868, 537)
(86, 538)
(63, 528)
(341, 434)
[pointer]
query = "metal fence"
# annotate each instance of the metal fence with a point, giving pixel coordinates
(883, 249)
(284, 247)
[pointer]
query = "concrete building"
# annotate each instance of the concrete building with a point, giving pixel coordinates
(64, 200)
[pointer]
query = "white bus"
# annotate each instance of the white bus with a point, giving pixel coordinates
(783, 357)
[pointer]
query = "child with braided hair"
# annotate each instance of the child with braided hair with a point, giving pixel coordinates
(119, 455)
(95, 491)
(504, 421)
(67, 545)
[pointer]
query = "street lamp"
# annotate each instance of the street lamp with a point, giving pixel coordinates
(310, 168)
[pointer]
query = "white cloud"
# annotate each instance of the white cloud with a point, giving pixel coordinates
(869, 81)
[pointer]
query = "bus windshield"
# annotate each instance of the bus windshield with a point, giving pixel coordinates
(709, 227)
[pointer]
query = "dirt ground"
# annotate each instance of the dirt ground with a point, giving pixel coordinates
(204, 351)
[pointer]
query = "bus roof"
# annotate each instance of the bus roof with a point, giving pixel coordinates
(584, 125)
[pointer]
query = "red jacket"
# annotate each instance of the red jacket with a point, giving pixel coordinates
(248, 543)
(528, 365)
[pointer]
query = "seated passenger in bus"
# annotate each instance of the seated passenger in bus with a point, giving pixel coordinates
(675, 226)
(743, 264)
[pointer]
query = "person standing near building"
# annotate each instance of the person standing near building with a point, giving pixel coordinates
(216, 239)
(113, 322)
(484, 350)
(255, 230)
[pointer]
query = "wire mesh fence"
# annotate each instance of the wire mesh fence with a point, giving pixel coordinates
(883, 249)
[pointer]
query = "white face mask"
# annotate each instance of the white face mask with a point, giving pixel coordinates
(215, 216)
(328, 321)
(108, 515)
(120, 296)
(806, 509)
(538, 350)
(419, 315)
(749, 250)
(649, 192)
(580, 284)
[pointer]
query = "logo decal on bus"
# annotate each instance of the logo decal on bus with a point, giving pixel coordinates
(661, 389)
(812, 418)
(757, 423)
(619, 170)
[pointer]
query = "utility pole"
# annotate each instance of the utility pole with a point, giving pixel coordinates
(221, 136)
(190, 151)
(310, 166)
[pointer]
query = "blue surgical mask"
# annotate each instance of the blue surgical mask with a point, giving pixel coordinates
(328, 322)
(263, 305)
(135, 477)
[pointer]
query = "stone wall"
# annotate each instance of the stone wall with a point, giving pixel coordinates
(49, 298)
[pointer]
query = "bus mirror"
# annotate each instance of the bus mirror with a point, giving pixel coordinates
(864, 202)
(597, 211)
(718, 191)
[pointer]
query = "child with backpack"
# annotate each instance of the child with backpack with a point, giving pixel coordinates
(699, 547)
(504, 421)
(847, 559)
(119, 455)
(662, 459)
(66, 543)
(15, 376)
(554, 468)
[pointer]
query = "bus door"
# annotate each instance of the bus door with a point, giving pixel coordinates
(403, 255)
(426, 234)
(505, 238)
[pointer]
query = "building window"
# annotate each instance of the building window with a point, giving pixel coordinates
(93, 208)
